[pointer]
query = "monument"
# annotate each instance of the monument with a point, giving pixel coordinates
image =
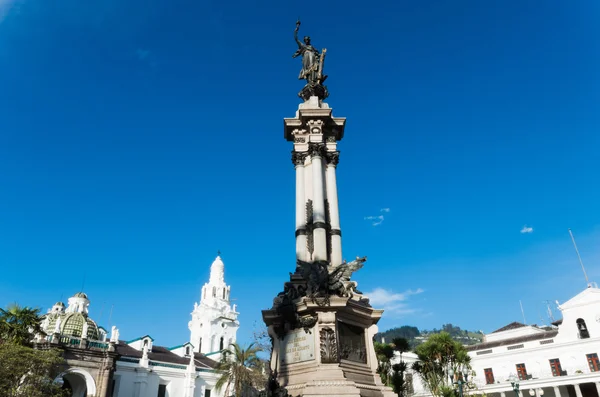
(321, 326)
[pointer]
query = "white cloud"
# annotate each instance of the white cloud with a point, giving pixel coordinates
(526, 229)
(377, 220)
(392, 302)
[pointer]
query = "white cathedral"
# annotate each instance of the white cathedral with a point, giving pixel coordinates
(101, 365)
(214, 321)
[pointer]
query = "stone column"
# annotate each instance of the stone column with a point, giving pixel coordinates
(597, 388)
(319, 225)
(334, 212)
(578, 390)
(104, 384)
(298, 160)
(502, 394)
(557, 391)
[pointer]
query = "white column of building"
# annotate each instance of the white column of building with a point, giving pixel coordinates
(298, 160)
(190, 377)
(319, 225)
(334, 211)
(578, 390)
(557, 391)
(502, 394)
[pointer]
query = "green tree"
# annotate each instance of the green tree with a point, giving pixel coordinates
(18, 324)
(28, 372)
(398, 382)
(401, 345)
(240, 368)
(384, 352)
(437, 356)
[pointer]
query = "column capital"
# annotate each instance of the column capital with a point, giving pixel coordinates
(333, 158)
(298, 157)
(316, 149)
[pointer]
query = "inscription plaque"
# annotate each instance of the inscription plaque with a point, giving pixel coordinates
(297, 346)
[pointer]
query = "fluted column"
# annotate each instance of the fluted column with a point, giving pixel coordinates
(334, 211)
(578, 390)
(318, 225)
(298, 160)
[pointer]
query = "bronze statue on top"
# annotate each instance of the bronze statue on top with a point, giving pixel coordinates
(312, 68)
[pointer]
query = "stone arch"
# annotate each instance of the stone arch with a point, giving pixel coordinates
(90, 383)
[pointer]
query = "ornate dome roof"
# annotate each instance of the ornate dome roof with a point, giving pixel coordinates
(71, 324)
(59, 304)
(80, 295)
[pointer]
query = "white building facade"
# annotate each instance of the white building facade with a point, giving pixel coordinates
(560, 361)
(102, 365)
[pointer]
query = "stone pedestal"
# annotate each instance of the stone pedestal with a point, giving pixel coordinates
(334, 355)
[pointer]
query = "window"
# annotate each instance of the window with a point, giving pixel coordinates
(200, 345)
(521, 371)
(593, 362)
(555, 366)
(214, 292)
(223, 293)
(221, 344)
(583, 331)
(207, 393)
(489, 376)
(187, 351)
(162, 391)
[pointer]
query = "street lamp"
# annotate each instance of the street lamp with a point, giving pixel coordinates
(540, 392)
(460, 382)
(514, 382)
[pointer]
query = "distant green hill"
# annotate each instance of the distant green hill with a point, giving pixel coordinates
(416, 337)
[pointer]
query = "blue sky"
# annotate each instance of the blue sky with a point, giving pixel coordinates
(137, 138)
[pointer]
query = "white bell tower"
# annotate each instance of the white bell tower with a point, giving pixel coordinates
(214, 322)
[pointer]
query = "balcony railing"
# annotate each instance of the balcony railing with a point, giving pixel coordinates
(74, 341)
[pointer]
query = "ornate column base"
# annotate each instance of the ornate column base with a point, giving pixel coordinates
(325, 347)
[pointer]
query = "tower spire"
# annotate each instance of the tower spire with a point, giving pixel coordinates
(214, 319)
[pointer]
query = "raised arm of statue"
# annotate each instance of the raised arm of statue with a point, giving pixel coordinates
(300, 45)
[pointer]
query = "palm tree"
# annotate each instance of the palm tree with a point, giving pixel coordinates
(401, 345)
(436, 357)
(384, 352)
(240, 369)
(18, 324)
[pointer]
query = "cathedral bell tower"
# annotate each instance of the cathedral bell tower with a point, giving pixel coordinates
(214, 321)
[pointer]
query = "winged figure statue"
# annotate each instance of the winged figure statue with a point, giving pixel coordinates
(323, 281)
